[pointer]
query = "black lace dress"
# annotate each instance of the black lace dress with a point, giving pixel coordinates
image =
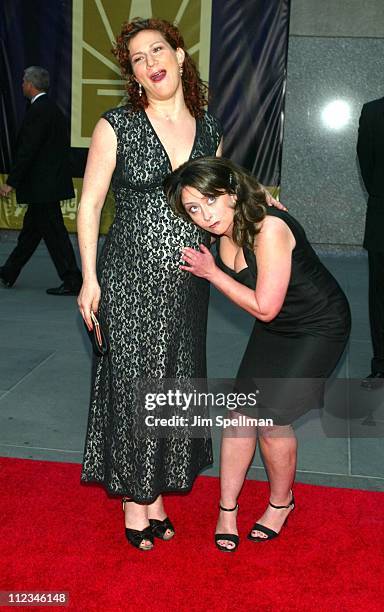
(155, 316)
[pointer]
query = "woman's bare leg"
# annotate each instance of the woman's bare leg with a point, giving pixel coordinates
(278, 447)
(237, 449)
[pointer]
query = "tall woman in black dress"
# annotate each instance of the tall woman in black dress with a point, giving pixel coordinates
(267, 267)
(137, 287)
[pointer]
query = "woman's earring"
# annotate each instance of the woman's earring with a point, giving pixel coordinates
(181, 69)
(140, 90)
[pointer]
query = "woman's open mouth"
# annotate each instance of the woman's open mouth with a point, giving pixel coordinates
(158, 76)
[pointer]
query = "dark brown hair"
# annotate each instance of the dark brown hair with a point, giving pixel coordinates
(195, 90)
(213, 176)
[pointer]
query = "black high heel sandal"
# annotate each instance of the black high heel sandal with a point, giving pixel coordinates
(270, 533)
(231, 537)
(159, 528)
(136, 537)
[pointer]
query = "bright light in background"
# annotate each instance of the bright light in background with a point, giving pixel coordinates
(336, 114)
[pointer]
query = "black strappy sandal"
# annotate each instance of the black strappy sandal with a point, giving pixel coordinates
(231, 537)
(159, 528)
(136, 537)
(270, 533)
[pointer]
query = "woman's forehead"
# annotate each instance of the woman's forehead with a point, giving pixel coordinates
(144, 39)
(188, 192)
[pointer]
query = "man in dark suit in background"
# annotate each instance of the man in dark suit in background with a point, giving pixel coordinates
(370, 151)
(41, 176)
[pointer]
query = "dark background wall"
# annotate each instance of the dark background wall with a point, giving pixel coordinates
(336, 53)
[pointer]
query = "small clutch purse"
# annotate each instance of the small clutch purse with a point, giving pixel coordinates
(98, 338)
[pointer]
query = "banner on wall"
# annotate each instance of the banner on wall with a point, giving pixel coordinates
(247, 80)
(12, 213)
(240, 47)
(96, 78)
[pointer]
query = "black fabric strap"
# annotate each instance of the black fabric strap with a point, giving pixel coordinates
(228, 509)
(291, 503)
(231, 537)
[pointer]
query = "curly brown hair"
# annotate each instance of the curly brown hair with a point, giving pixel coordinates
(195, 90)
(214, 176)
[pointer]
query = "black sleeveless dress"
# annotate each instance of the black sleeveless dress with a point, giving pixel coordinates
(155, 316)
(301, 346)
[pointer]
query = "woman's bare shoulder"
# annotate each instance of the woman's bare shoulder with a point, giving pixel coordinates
(274, 229)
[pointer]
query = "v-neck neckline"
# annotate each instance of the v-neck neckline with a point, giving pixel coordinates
(197, 124)
(232, 269)
(225, 265)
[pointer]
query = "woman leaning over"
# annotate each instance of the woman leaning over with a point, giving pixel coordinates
(266, 266)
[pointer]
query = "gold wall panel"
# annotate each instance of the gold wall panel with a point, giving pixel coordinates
(12, 213)
(96, 80)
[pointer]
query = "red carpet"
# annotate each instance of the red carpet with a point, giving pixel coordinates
(59, 535)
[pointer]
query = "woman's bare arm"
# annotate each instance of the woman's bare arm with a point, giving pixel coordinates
(100, 166)
(273, 252)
